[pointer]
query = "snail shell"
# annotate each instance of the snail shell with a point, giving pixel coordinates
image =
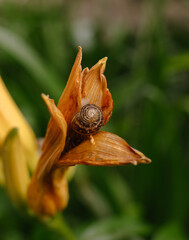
(88, 120)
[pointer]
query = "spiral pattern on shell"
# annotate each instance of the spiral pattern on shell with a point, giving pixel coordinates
(88, 120)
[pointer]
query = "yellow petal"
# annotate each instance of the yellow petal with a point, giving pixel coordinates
(15, 168)
(54, 144)
(94, 83)
(11, 117)
(5, 127)
(107, 149)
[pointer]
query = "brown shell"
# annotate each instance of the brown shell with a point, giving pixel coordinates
(89, 120)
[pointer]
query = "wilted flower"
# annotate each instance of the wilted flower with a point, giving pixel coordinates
(64, 147)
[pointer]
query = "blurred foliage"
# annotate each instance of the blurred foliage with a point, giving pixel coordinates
(147, 73)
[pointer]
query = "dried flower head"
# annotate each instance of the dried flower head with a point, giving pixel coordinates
(70, 139)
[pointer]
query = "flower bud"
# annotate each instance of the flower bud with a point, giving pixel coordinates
(15, 168)
(11, 117)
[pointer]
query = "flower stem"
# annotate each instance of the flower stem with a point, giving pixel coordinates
(59, 225)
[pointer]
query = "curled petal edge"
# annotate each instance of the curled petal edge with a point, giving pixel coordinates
(94, 83)
(107, 106)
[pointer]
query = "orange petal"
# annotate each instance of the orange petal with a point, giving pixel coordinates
(48, 190)
(94, 83)
(51, 195)
(106, 149)
(60, 188)
(70, 101)
(54, 144)
(69, 104)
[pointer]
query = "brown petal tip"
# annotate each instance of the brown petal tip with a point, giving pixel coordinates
(44, 96)
(143, 158)
(101, 65)
(79, 48)
(103, 60)
(146, 160)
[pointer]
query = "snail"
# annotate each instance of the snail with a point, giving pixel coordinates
(88, 120)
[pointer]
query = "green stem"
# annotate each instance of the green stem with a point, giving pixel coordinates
(59, 225)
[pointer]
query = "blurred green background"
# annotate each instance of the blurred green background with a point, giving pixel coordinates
(147, 45)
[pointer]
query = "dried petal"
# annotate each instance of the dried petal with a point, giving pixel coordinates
(70, 101)
(94, 83)
(55, 142)
(60, 187)
(107, 150)
(51, 195)
(48, 191)
(107, 106)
